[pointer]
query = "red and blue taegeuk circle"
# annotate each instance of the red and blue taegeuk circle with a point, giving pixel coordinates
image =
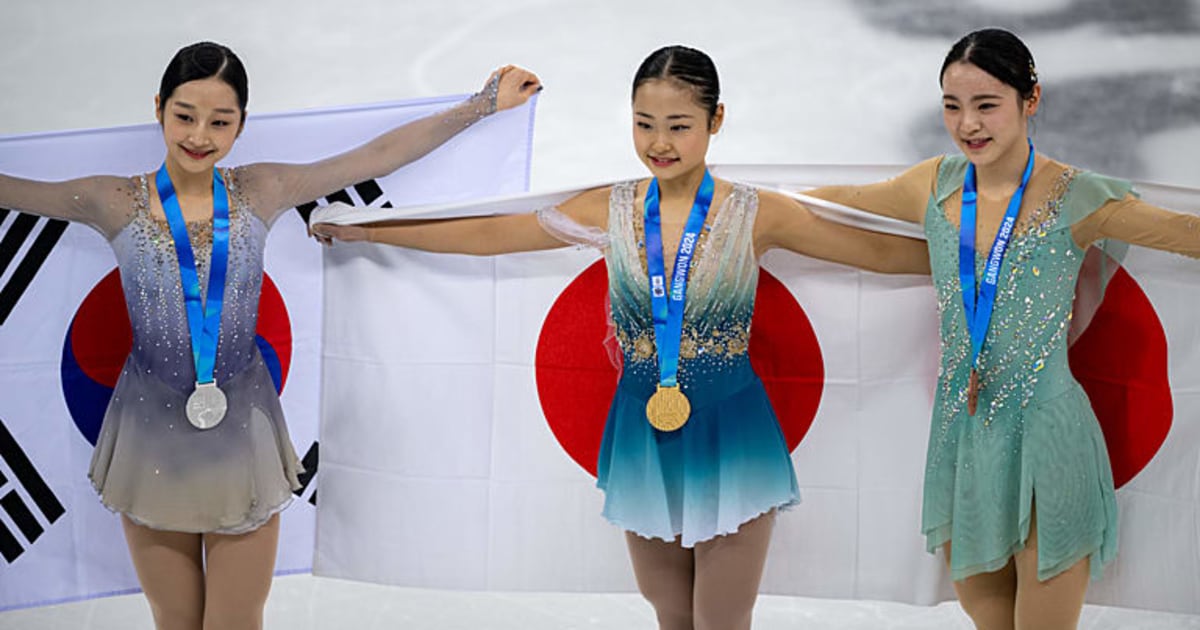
(99, 340)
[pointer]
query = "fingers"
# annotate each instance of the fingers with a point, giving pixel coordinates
(516, 85)
(324, 233)
(526, 81)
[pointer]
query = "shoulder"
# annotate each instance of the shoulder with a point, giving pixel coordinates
(594, 196)
(929, 168)
(734, 190)
(942, 167)
(768, 200)
(590, 207)
(1088, 187)
(775, 209)
(121, 183)
(113, 189)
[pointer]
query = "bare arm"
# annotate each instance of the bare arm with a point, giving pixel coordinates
(903, 197)
(478, 236)
(785, 222)
(1134, 221)
(282, 186)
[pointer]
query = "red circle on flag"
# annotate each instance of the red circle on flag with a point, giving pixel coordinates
(576, 379)
(1121, 361)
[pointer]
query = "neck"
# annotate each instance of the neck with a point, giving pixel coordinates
(189, 184)
(1004, 175)
(684, 186)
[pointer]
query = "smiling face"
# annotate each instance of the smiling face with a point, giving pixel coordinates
(986, 117)
(671, 130)
(200, 121)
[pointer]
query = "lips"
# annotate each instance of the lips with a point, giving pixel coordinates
(975, 144)
(197, 155)
(662, 162)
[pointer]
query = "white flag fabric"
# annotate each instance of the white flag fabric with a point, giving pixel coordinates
(61, 313)
(464, 400)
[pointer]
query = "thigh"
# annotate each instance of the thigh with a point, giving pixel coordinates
(728, 572)
(170, 569)
(240, 568)
(664, 573)
(1055, 603)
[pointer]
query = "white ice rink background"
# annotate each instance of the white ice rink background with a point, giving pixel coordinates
(823, 82)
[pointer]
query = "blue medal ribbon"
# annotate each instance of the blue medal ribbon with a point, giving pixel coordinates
(667, 306)
(204, 320)
(979, 311)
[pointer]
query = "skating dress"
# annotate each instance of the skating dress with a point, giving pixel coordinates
(730, 462)
(1034, 442)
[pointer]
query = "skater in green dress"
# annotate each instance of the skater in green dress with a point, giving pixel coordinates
(1018, 488)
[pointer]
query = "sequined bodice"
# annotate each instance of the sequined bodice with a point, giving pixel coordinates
(720, 294)
(150, 279)
(1024, 355)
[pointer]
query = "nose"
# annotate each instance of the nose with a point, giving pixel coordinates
(198, 136)
(970, 121)
(661, 143)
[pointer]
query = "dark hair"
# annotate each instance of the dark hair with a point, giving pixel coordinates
(998, 53)
(686, 66)
(204, 60)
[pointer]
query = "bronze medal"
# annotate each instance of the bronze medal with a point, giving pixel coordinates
(668, 409)
(973, 393)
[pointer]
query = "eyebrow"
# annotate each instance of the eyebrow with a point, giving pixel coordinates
(669, 117)
(219, 110)
(977, 97)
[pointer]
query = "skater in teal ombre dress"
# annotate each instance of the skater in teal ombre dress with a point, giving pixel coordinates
(1020, 493)
(697, 503)
(728, 464)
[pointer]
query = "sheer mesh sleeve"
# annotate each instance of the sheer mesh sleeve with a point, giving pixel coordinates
(1105, 208)
(274, 187)
(568, 230)
(102, 202)
(1138, 223)
(1106, 216)
(904, 196)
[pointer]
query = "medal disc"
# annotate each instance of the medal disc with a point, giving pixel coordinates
(668, 409)
(973, 393)
(206, 406)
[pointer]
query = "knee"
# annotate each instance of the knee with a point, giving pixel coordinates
(177, 615)
(724, 613)
(243, 619)
(723, 619)
(672, 607)
(988, 608)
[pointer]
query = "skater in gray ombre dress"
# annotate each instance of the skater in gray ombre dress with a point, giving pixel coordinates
(200, 504)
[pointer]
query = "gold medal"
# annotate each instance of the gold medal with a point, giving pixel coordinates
(668, 409)
(973, 393)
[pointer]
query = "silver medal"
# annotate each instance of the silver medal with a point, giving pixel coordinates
(206, 406)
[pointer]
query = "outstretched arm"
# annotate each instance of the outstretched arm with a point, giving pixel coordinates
(903, 197)
(282, 186)
(478, 236)
(787, 223)
(1134, 221)
(102, 202)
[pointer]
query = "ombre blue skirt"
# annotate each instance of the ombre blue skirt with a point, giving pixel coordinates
(726, 466)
